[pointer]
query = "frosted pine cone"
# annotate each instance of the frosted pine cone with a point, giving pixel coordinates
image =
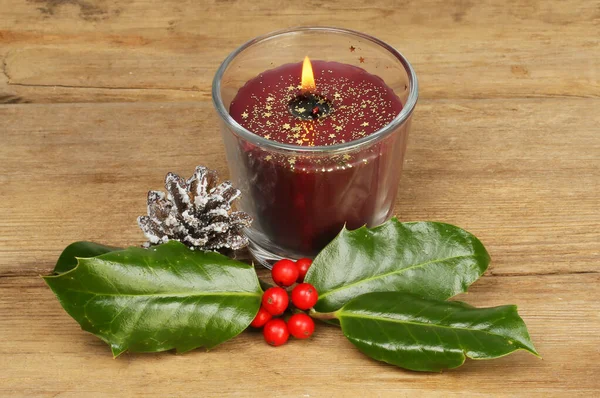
(196, 212)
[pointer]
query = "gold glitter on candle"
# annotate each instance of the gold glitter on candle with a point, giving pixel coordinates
(360, 107)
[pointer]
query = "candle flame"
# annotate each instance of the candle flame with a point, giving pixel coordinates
(308, 78)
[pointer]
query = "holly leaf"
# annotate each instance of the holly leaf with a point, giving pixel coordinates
(149, 300)
(68, 258)
(430, 335)
(429, 259)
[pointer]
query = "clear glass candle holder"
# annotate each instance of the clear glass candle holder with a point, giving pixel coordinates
(302, 196)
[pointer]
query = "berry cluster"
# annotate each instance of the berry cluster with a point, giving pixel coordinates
(275, 301)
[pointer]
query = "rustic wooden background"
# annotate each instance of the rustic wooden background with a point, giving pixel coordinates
(100, 98)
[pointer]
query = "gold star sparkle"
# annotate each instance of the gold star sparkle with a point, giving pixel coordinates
(245, 115)
(267, 114)
(365, 124)
(286, 126)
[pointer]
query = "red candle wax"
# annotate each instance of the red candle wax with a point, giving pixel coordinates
(302, 202)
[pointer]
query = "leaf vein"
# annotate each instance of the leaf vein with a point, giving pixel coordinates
(398, 271)
(168, 294)
(382, 319)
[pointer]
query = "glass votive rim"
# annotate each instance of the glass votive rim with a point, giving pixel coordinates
(267, 144)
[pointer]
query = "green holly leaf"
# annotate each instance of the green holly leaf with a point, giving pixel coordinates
(157, 299)
(68, 258)
(430, 335)
(429, 259)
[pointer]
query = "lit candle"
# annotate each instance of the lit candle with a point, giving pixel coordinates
(337, 104)
(301, 193)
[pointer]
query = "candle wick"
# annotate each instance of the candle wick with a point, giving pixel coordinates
(309, 106)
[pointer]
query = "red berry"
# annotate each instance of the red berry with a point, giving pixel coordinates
(261, 318)
(275, 300)
(303, 265)
(276, 332)
(284, 273)
(301, 326)
(304, 296)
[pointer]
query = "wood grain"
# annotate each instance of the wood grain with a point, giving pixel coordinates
(109, 50)
(44, 353)
(100, 98)
(517, 174)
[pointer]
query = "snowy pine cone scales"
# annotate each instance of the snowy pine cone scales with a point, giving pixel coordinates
(196, 212)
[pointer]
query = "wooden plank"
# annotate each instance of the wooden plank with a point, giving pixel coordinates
(130, 51)
(523, 176)
(43, 353)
